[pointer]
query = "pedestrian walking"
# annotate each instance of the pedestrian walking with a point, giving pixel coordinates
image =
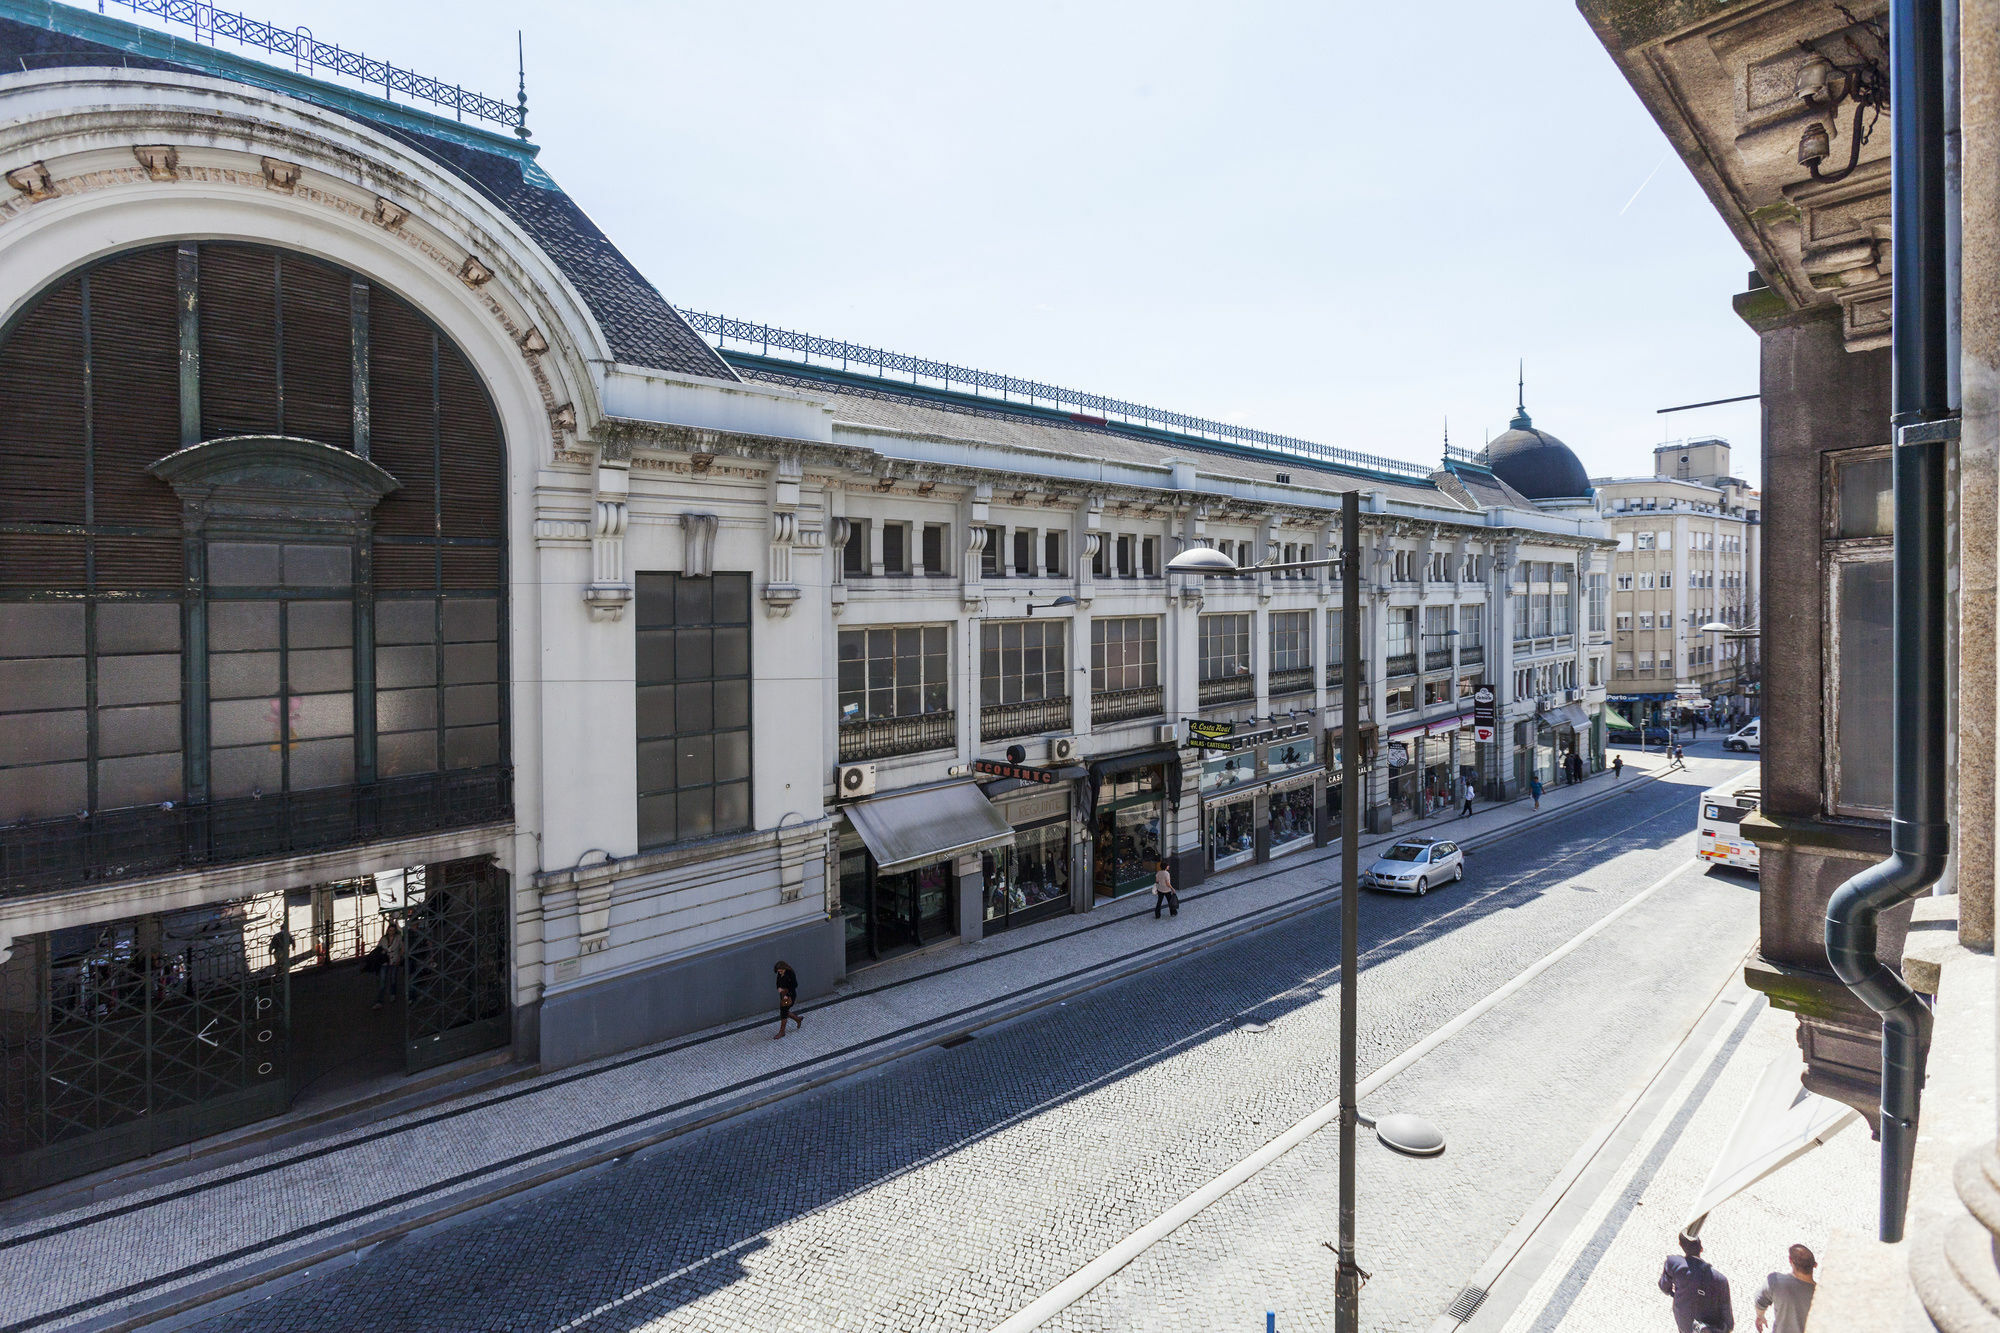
(1470, 791)
(388, 965)
(1680, 756)
(1785, 1297)
(788, 995)
(1163, 893)
(1700, 1294)
(1535, 790)
(1617, 767)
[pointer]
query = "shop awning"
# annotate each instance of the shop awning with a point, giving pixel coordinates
(1618, 719)
(1569, 715)
(912, 828)
(1781, 1121)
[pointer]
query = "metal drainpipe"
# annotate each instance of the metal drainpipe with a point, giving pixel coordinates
(1920, 833)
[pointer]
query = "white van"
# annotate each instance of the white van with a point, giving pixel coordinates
(1745, 739)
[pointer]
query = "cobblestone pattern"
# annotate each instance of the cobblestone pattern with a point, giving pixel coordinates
(949, 1189)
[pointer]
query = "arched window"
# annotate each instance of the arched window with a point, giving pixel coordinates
(252, 569)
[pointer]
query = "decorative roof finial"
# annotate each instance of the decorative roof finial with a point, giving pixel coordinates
(1520, 421)
(521, 57)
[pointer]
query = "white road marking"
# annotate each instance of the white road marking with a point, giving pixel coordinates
(1093, 1274)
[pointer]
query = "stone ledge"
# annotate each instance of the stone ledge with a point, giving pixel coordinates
(1933, 938)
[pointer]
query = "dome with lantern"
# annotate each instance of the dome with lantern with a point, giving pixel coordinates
(1536, 463)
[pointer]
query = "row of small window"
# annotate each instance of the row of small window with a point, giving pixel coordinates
(1535, 681)
(925, 549)
(1400, 638)
(1696, 657)
(1541, 615)
(1437, 568)
(1543, 574)
(1700, 615)
(1646, 582)
(1728, 543)
(1403, 698)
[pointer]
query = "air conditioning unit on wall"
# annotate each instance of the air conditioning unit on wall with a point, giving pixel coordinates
(851, 780)
(1169, 733)
(1063, 749)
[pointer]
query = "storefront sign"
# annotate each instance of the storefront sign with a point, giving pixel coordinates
(1482, 711)
(1020, 771)
(1208, 743)
(1399, 754)
(1211, 729)
(1251, 739)
(1484, 735)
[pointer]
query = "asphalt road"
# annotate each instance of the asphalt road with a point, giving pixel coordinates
(949, 1189)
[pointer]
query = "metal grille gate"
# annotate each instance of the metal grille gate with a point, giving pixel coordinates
(123, 1038)
(456, 951)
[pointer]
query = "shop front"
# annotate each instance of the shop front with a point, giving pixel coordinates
(1229, 809)
(1289, 821)
(1335, 774)
(1426, 767)
(900, 881)
(1132, 796)
(1028, 881)
(1259, 801)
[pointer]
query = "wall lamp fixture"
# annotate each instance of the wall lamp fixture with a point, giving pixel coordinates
(1821, 84)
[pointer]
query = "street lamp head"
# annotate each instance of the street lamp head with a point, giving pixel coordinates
(1063, 601)
(1717, 627)
(1201, 560)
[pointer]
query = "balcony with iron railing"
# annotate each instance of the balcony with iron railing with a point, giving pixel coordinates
(1471, 654)
(1029, 717)
(1336, 677)
(1227, 689)
(1123, 705)
(1292, 680)
(1437, 659)
(887, 737)
(1402, 664)
(102, 846)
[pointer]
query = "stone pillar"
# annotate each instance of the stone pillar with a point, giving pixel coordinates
(971, 897)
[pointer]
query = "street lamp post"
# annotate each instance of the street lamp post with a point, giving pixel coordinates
(1403, 1133)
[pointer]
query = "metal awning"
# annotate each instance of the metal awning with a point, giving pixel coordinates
(1569, 715)
(1618, 719)
(913, 828)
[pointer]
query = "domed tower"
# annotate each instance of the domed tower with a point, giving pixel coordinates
(1536, 463)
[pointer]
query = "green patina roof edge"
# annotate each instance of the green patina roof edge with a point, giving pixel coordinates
(131, 38)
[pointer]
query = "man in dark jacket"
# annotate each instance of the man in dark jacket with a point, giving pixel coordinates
(1699, 1291)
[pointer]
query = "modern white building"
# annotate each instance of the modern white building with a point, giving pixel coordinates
(378, 548)
(1687, 556)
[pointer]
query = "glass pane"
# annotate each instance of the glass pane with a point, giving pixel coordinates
(320, 669)
(732, 651)
(44, 791)
(235, 625)
(693, 601)
(243, 564)
(38, 738)
(471, 705)
(1867, 498)
(149, 729)
(409, 752)
(471, 619)
(934, 641)
(694, 658)
(402, 621)
(153, 678)
(732, 807)
(472, 747)
(315, 566)
(656, 765)
(405, 710)
(328, 763)
(695, 760)
(696, 813)
(141, 780)
(732, 755)
(50, 629)
(656, 821)
(245, 770)
(654, 660)
(732, 704)
(402, 668)
(656, 710)
(471, 663)
(655, 600)
(732, 599)
(33, 683)
(695, 703)
(234, 722)
(1862, 751)
(319, 624)
(318, 715)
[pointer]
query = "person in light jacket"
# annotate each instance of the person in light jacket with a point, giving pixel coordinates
(1163, 893)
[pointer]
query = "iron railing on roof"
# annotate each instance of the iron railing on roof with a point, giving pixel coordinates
(1454, 454)
(309, 55)
(809, 349)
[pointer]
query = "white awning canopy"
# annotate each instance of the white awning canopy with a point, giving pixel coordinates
(912, 828)
(1568, 715)
(1781, 1121)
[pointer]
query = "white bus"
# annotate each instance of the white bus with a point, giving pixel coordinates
(1719, 836)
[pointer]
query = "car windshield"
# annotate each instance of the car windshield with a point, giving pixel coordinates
(1405, 851)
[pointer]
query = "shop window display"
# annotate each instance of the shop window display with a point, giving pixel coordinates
(1029, 880)
(1291, 818)
(1232, 836)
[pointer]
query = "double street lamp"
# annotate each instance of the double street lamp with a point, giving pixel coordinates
(1405, 1133)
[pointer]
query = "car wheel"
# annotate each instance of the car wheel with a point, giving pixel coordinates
(1423, 887)
(1461, 873)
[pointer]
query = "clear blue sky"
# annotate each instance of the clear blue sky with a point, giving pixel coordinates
(1339, 220)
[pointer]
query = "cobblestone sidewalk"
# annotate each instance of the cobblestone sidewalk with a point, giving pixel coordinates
(181, 1241)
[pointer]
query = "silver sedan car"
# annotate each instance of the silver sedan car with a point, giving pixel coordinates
(1414, 864)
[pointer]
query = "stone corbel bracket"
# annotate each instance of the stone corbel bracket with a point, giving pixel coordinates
(609, 592)
(839, 531)
(698, 545)
(781, 593)
(977, 508)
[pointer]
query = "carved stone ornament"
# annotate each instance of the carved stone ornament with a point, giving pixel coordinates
(698, 550)
(564, 417)
(475, 273)
(609, 592)
(281, 175)
(390, 214)
(159, 159)
(532, 341)
(33, 181)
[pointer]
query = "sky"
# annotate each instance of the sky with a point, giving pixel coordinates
(1337, 220)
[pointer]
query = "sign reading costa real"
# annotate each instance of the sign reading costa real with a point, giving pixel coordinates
(1021, 771)
(1211, 729)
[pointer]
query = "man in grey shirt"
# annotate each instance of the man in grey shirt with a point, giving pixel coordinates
(1785, 1297)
